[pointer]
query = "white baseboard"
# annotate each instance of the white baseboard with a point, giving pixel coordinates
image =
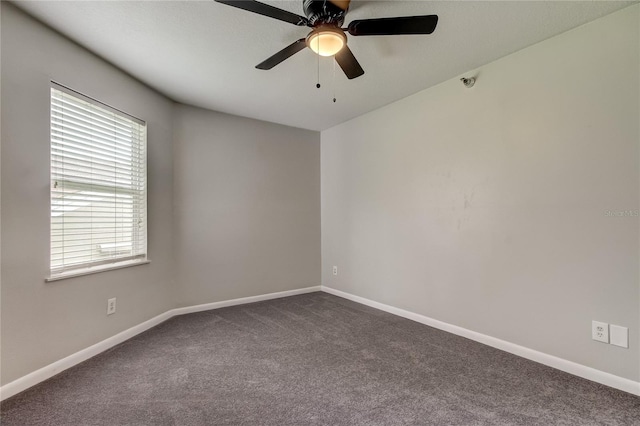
(44, 373)
(571, 367)
(52, 369)
(243, 300)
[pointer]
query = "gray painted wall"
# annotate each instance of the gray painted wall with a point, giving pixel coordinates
(44, 322)
(245, 194)
(485, 207)
(247, 206)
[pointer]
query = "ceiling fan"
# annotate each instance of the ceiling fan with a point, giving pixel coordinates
(327, 38)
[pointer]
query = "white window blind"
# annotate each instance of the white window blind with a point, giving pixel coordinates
(98, 184)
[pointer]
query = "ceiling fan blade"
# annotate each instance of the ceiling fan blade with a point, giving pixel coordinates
(393, 26)
(285, 53)
(342, 4)
(348, 63)
(266, 10)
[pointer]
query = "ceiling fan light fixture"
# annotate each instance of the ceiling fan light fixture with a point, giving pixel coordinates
(326, 41)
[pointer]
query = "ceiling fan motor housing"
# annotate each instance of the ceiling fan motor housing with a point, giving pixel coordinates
(320, 12)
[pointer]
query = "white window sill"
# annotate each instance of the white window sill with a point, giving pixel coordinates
(96, 269)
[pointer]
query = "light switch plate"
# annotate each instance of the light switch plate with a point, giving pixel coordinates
(619, 336)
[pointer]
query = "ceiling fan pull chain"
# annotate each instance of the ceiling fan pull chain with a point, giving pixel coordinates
(333, 82)
(318, 84)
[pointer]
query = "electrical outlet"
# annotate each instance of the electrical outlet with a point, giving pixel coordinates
(600, 331)
(111, 306)
(335, 270)
(619, 336)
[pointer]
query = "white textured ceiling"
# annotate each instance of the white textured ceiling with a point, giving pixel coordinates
(204, 53)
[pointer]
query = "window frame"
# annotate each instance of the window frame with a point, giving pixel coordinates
(115, 262)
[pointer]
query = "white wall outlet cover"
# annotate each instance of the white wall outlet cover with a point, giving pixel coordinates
(619, 336)
(111, 306)
(335, 270)
(600, 331)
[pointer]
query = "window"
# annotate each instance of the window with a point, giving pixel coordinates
(98, 185)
